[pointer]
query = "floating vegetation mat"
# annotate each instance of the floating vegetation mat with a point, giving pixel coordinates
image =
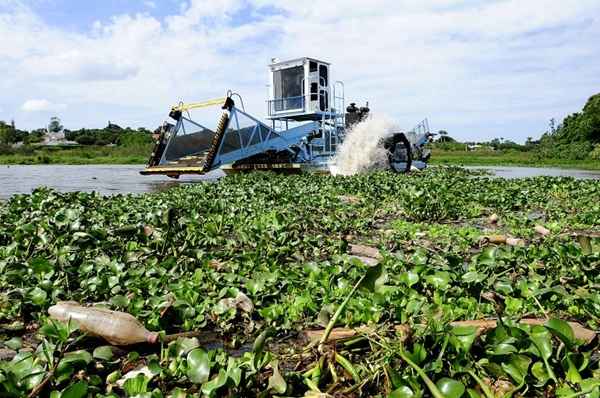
(310, 286)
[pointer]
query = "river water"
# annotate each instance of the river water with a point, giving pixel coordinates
(113, 179)
(104, 179)
(525, 172)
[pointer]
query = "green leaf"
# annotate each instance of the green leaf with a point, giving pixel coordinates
(465, 335)
(136, 385)
(487, 256)
(77, 390)
(217, 382)
(64, 371)
(259, 343)
(450, 388)
(517, 367)
(439, 280)
(572, 373)
(562, 330)
(38, 296)
(234, 372)
(540, 336)
(589, 384)
(103, 352)
(58, 330)
(409, 278)
(585, 243)
(40, 265)
(113, 377)
(418, 354)
(539, 371)
(79, 356)
(184, 345)
(371, 278)
(178, 393)
(402, 392)
(394, 376)
(473, 393)
(14, 343)
(198, 366)
(254, 286)
(276, 381)
(22, 366)
(119, 301)
(473, 276)
(503, 286)
(419, 257)
(502, 349)
(542, 345)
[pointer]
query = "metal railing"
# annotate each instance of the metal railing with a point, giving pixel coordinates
(283, 105)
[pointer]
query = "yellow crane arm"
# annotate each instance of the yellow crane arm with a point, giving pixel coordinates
(195, 105)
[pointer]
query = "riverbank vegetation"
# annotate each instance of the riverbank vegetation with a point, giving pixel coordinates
(574, 143)
(507, 158)
(310, 286)
(55, 145)
(136, 153)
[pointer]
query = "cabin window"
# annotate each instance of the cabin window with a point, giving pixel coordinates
(314, 91)
(323, 75)
(287, 85)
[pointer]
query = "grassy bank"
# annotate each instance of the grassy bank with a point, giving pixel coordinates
(137, 154)
(507, 158)
(259, 263)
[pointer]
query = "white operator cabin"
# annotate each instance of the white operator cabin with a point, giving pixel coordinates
(299, 89)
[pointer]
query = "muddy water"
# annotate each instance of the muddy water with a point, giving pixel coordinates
(525, 172)
(114, 179)
(104, 179)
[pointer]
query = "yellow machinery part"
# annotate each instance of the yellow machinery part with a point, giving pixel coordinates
(216, 142)
(195, 105)
(172, 170)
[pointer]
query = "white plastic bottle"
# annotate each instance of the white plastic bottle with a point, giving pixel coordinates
(118, 328)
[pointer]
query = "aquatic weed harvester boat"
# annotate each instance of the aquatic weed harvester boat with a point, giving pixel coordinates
(307, 126)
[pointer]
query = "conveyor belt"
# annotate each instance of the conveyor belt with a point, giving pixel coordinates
(193, 164)
(216, 144)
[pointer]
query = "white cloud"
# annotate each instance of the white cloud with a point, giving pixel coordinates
(475, 69)
(41, 105)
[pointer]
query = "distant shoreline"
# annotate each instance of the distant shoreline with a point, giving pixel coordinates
(516, 159)
(450, 158)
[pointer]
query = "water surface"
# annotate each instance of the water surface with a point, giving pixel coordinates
(104, 179)
(525, 172)
(113, 179)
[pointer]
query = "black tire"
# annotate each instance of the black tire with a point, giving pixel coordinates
(399, 153)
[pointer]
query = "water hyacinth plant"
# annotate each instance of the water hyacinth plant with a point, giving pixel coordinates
(261, 269)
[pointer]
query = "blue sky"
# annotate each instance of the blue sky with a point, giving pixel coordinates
(80, 15)
(478, 69)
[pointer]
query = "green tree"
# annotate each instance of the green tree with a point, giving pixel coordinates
(7, 133)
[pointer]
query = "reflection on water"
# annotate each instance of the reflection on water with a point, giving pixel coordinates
(104, 179)
(526, 172)
(114, 179)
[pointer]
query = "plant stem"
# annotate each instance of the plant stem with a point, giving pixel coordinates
(484, 387)
(338, 313)
(36, 391)
(430, 384)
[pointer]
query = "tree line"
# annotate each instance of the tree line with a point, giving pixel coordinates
(577, 137)
(111, 134)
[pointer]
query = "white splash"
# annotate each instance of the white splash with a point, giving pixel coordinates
(361, 150)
